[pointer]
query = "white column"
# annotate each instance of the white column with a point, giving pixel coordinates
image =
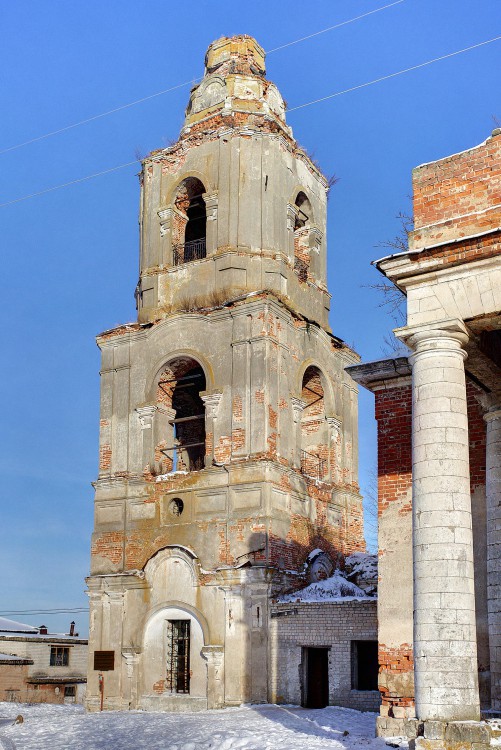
(493, 493)
(445, 647)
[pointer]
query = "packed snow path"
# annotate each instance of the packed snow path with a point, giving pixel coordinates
(246, 728)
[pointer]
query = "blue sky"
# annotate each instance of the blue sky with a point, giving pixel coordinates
(70, 257)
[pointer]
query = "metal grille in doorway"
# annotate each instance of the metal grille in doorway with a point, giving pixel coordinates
(178, 656)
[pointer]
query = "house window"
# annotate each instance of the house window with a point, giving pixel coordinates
(59, 656)
(364, 665)
(70, 691)
(178, 656)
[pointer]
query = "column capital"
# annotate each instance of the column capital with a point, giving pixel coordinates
(439, 335)
(493, 415)
(335, 424)
(145, 414)
(212, 401)
(297, 408)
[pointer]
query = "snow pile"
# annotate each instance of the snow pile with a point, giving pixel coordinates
(263, 727)
(361, 569)
(336, 588)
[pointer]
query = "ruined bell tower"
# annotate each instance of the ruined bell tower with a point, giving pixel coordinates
(228, 431)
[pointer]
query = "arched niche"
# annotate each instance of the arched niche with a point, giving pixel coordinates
(172, 661)
(171, 574)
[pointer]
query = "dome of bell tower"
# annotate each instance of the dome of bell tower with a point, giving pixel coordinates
(234, 81)
(236, 54)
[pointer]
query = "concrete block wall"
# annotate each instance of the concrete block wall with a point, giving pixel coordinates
(324, 624)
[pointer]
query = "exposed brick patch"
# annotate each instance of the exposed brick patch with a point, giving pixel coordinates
(105, 457)
(395, 662)
(222, 450)
(272, 417)
(109, 545)
(259, 396)
(237, 409)
(238, 438)
(159, 687)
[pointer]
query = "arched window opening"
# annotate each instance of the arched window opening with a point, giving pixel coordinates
(179, 390)
(302, 226)
(190, 222)
(314, 445)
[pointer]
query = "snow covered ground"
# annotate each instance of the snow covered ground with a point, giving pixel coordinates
(264, 727)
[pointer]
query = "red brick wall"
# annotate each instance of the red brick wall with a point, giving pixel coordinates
(458, 184)
(448, 190)
(394, 419)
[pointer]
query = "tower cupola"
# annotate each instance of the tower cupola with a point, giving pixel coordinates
(234, 81)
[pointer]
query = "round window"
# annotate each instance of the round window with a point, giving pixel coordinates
(176, 506)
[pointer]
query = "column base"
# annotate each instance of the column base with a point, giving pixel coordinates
(437, 735)
(454, 735)
(389, 726)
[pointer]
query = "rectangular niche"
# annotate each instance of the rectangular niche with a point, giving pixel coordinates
(280, 500)
(210, 502)
(246, 497)
(109, 513)
(140, 510)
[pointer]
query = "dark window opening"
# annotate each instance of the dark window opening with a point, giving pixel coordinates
(190, 223)
(179, 389)
(59, 656)
(178, 656)
(364, 665)
(301, 236)
(70, 691)
(315, 663)
(314, 441)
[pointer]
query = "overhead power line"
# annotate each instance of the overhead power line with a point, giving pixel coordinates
(393, 75)
(72, 182)
(96, 117)
(292, 109)
(71, 610)
(186, 83)
(331, 28)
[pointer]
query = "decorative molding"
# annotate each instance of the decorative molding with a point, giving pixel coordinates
(297, 408)
(211, 206)
(145, 414)
(335, 425)
(315, 238)
(292, 212)
(165, 216)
